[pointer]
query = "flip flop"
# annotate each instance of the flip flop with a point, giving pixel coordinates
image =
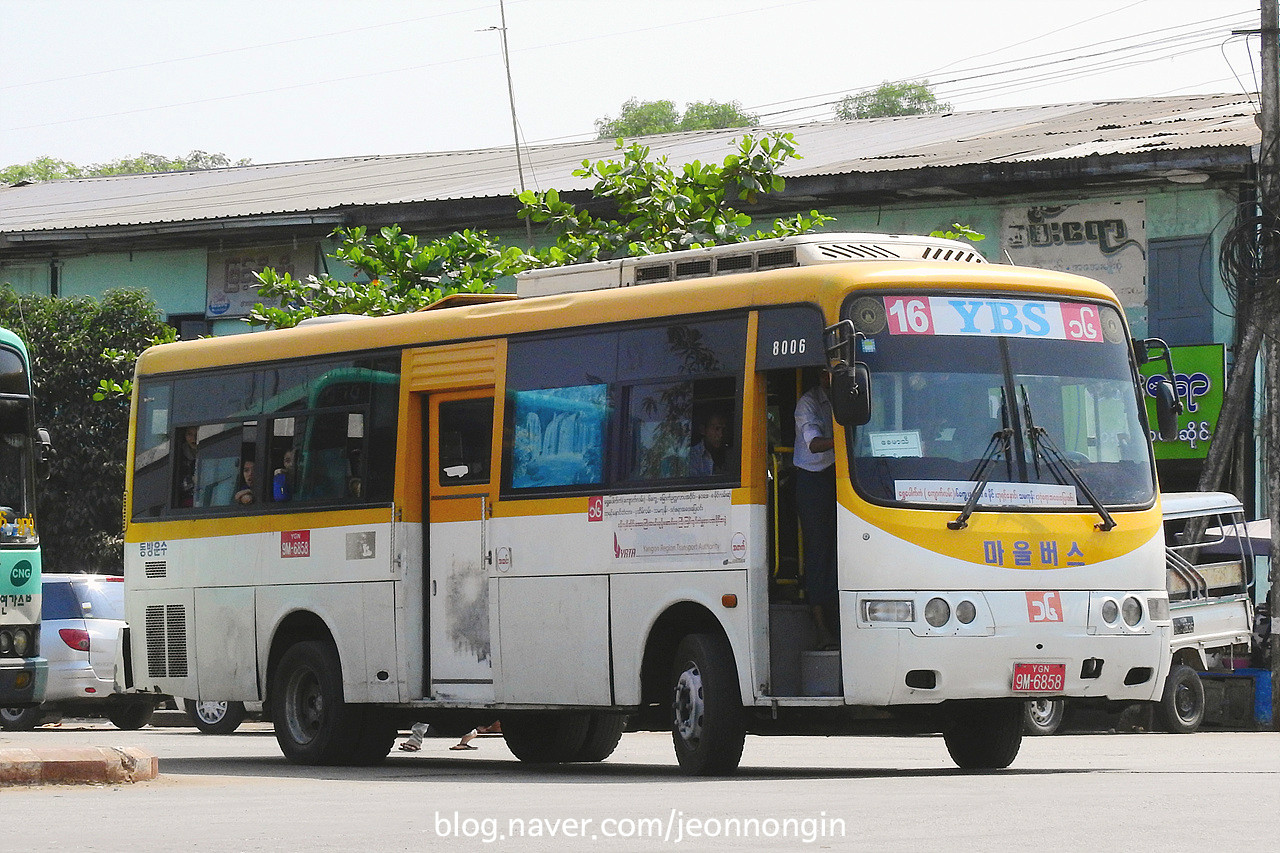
(463, 746)
(410, 747)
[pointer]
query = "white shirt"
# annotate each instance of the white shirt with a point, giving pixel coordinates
(813, 420)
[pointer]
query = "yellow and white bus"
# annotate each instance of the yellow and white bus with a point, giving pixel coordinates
(502, 508)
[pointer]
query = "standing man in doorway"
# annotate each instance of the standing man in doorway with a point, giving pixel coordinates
(815, 460)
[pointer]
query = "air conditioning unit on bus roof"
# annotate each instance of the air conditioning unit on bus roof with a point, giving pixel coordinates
(799, 251)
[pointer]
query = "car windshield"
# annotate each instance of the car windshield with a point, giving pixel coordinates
(968, 390)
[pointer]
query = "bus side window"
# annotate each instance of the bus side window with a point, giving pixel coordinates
(224, 472)
(466, 439)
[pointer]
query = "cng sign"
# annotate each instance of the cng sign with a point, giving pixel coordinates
(21, 573)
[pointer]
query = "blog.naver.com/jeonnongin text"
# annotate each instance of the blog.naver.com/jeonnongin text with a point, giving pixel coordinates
(675, 827)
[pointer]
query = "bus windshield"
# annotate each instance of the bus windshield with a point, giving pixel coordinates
(17, 527)
(1012, 392)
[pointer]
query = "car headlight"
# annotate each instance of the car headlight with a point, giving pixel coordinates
(1131, 610)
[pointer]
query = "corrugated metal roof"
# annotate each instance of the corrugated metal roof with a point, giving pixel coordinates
(1022, 134)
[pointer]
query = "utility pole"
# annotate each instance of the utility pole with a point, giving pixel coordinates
(1269, 192)
(515, 125)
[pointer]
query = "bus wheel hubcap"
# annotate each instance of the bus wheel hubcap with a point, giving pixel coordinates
(688, 704)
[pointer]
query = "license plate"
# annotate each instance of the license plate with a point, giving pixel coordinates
(1039, 677)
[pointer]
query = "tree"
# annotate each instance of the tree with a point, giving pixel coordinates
(403, 274)
(655, 207)
(74, 343)
(660, 209)
(50, 168)
(644, 118)
(905, 98)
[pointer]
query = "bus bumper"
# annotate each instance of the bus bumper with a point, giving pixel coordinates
(22, 682)
(910, 662)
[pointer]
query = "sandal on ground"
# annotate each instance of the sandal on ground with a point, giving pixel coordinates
(410, 746)
(463, 746)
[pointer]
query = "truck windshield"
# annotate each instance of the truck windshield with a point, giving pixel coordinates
(1021, 393)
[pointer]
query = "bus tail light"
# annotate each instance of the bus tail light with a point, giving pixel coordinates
(937, 612)
(1131, 610)
(888, 610)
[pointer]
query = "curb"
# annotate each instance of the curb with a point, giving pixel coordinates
(71, 765)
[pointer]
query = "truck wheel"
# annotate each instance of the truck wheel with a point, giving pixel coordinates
(984, 735)
(546, 737)
(313, 724)
(1181, 708)
(1043, 716)
(215, 718)
(132, 714)
(707, 722)
(604, 731)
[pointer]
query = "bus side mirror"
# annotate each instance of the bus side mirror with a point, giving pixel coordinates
(45, 453)
(1168, 407)
(851, 394)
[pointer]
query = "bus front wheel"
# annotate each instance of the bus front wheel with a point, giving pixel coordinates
(313, 724)
(707, 723)
(984, 735)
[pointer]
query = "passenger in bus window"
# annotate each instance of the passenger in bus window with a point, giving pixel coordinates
(244, 495)
(187, 467)
(709, 455)
(814, 459)
(282, 481)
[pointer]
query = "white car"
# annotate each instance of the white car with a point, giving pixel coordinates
(80, 621)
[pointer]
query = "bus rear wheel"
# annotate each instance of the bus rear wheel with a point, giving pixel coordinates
(604, 731)
(707, 721)
(984, 735)
(313, 724)
(1181, 708)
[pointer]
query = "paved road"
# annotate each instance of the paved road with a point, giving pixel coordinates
(1209, 791)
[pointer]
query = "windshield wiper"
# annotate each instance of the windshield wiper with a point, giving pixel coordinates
(998, 446)
(1056, 461)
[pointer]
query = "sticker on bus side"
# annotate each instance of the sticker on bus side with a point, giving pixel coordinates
(295, 543)
(1018, 318)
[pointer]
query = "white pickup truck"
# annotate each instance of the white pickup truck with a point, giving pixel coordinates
(1209, 562)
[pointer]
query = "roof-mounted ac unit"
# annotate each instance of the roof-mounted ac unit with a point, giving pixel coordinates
(799, 251)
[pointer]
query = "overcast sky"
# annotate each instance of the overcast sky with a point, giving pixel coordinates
(276, 80)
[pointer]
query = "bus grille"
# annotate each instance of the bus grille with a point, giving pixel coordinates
(156, 569)
(166, 640)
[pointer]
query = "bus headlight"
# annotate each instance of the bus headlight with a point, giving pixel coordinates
(966, 612)
(6, 643)
(1158, 608)
(21, 642)
(1110, 610)
(888, 610)
(937, 612)
(1131, 610)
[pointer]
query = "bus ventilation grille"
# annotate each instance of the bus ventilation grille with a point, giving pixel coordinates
(156, 569)
(961, 255)
(166, 628)
(858, 252)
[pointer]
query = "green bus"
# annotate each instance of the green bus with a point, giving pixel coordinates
(23, 450)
